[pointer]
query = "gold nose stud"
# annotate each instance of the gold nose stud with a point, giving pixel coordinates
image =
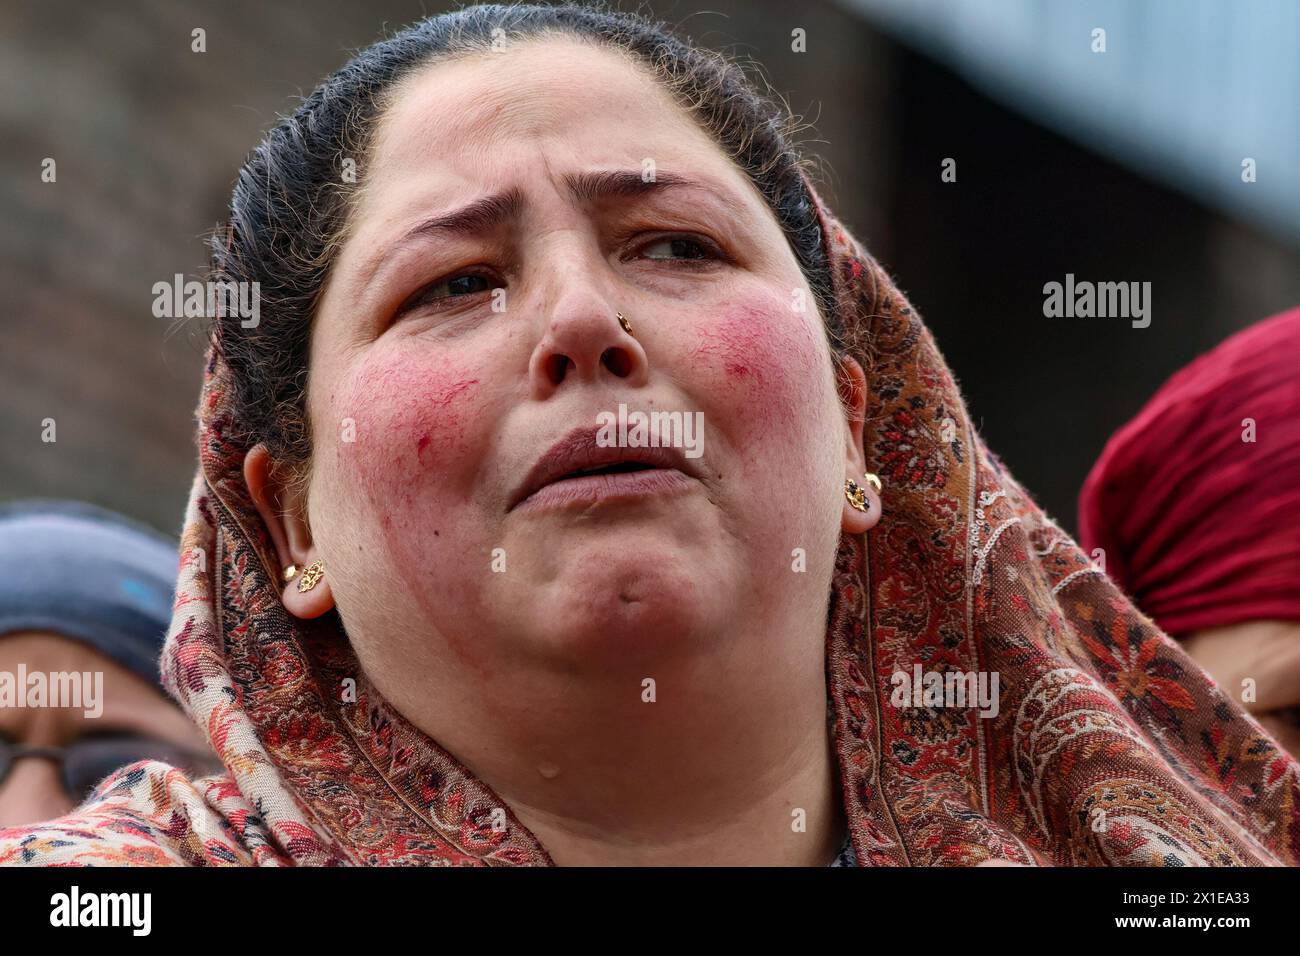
(627, 326)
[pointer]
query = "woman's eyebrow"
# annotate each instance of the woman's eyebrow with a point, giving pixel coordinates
(489, 212)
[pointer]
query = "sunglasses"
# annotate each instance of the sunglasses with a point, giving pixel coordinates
(84, 763)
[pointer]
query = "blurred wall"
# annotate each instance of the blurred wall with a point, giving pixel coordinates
(148, 136)
(1027, 208)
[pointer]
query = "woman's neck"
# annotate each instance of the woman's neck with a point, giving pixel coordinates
(733, 789)
(762, 833)
(718, 757)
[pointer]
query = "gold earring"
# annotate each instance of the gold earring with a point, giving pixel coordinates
(856, 494)
(290, 572)
(873, 480)
(627, 326)
(310, 576)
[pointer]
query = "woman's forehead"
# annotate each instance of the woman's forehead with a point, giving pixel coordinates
(478, 120)
(479, 126)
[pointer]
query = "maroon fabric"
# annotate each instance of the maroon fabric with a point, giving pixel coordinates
(1200, 526)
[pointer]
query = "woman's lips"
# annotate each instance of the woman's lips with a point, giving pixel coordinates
(587, 490)
(580, 454)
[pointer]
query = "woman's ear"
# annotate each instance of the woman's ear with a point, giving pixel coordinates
(852, 385)
(290, 534)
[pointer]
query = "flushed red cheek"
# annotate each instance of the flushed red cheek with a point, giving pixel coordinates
(415, 427)
(766, 355)
(421, 431)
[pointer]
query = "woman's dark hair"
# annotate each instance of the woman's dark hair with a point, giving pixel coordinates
(291, 203)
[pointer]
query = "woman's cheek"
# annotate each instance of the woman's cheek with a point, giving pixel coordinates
(420, 430)
(765, 370)
(765, 374)
(408, 439)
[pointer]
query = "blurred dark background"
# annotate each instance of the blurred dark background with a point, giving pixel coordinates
(1114, 166)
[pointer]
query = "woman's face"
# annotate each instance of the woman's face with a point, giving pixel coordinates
(447, 359)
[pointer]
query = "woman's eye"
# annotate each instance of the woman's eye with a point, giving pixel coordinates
(438, 294)
(679, 247)
(442, 294)
(460, 285)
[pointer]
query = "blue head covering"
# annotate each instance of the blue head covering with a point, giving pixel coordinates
(89, 574)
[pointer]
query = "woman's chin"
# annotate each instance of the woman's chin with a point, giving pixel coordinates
(629, 603)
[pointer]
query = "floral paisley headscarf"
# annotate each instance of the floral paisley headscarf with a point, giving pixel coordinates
(1109, 746)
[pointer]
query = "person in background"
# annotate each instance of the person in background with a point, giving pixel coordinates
(1195, 506)
(82, 591)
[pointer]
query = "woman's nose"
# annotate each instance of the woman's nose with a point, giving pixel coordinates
(31, 793)
(586, 342)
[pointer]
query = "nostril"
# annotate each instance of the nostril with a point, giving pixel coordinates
(556, 367)
(617, 361)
